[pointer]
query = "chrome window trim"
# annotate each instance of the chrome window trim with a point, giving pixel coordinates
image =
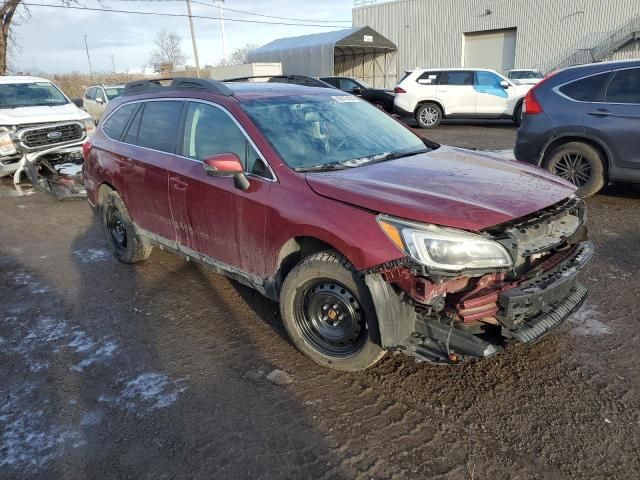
(195, 100)
(557, 88)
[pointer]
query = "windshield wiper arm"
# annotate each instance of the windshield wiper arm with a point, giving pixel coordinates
(394, 155)
(324, 167)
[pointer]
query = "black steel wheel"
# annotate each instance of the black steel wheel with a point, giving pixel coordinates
(120, 231)
(580, 164)
(328, 313)
(330, 318)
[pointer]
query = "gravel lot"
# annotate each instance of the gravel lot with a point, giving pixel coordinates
(158, 370)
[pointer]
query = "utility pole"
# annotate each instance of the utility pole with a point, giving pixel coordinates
(88, 57)
(113, 64)
(224, 43)
(193, 39)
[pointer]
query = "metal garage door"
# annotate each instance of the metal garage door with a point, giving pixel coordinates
(495, 49)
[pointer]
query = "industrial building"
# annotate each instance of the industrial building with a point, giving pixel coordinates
(504, 34)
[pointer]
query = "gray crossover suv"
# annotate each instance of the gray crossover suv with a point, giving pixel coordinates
(583, 124)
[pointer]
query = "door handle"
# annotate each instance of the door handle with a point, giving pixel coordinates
(178, 185)
(600, 113)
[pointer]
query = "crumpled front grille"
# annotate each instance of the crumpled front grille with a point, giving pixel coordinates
(51, 135)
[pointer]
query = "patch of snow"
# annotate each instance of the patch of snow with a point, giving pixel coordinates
(71, 169)
(103, 353)
(147, 392)
(92, 417)
(586, 322)
(22, 279)
(89, 255)
(29, 440)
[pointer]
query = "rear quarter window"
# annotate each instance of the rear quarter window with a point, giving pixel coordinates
(588, 89)
(116, 123)
(429, 78)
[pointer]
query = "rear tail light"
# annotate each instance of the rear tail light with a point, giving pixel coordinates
(86, 149)
(399, 90)
(531, 104)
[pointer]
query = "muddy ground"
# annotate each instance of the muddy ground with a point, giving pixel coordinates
(158, 371)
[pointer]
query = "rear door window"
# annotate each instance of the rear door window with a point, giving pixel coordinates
(588, 89)
(131, 135)
(159, 125)
(624, 87)
(117, 122)
(456, 77)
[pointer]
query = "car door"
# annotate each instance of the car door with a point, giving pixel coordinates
(492, 99)
(211, 215)
(89, 101)
(149, 151)
(457, 94)
(617, 120)
(100, 103)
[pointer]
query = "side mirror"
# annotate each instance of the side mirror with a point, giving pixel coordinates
(504, 84)
(226, 165)
(357, 91)
(99, 100)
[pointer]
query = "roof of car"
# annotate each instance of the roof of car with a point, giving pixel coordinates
(470, 69)
(107, 85)
(21, 79)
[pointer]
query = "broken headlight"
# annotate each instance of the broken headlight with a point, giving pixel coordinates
(443, 248)
(7, 146)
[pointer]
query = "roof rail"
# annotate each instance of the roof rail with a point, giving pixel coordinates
(177, 83)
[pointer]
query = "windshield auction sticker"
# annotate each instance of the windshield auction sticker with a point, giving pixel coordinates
(346, 99)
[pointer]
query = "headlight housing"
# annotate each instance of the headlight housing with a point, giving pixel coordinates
(7, 146)
(443, 248)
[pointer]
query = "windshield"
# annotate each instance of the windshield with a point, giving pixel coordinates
(14, 95)
(113, 92)
(525, 75)
(311, 131)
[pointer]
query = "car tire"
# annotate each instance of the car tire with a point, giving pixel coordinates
(580, 164)
(120, 231)
(381, 105)
(328, 313)
(428, 115)
(517, 114)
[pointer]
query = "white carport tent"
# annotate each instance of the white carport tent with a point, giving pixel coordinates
(353, 52)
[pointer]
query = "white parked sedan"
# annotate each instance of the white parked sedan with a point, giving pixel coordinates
(430, 95)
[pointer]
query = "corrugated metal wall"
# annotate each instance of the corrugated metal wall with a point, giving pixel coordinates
(429, 33)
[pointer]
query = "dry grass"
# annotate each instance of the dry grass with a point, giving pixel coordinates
(74, 84)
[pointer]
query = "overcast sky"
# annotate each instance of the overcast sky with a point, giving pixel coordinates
(52, 40)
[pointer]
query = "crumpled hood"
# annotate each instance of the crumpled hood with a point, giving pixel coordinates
(41, 114)
(449, 186)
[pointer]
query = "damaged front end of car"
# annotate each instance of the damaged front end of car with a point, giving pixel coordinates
(56, 171)
(460, 295)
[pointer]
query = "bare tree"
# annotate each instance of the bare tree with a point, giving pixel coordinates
(240, 55)
(7, 16)
(168, 53)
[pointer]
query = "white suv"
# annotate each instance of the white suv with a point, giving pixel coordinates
(430, 95)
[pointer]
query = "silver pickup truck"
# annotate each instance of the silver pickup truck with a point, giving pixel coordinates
(41, 136)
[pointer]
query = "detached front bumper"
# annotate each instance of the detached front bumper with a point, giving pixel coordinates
(526, 311)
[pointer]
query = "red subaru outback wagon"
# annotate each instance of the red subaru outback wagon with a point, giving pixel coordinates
(370, 238)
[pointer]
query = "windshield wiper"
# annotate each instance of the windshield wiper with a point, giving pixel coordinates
(395, 155)
(324, 167)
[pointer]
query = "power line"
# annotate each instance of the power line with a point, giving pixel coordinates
(246, 12)
(158, 14)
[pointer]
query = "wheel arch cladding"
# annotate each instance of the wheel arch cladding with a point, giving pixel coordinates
(294, 250)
